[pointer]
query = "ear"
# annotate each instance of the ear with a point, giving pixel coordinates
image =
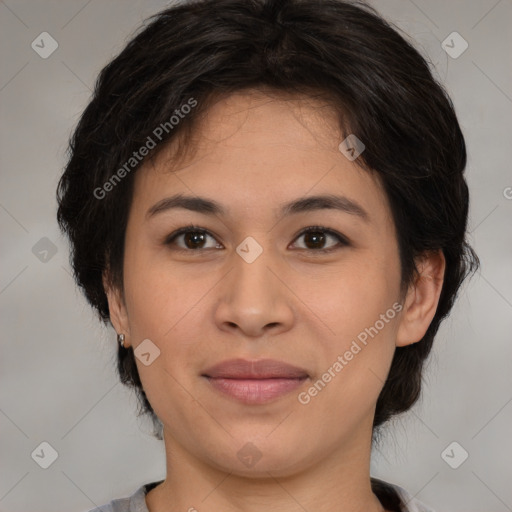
(117, 308)
(422, 298)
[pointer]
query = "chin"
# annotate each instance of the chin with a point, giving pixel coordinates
(257, 455)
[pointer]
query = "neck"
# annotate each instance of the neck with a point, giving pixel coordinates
(339, 482)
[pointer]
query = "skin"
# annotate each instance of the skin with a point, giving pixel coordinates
(256, 152)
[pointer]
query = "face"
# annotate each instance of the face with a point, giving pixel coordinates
(249, 281)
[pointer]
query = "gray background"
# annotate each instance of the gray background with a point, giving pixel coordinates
(57, 365)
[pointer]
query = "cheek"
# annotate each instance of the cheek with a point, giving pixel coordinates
(166, 309)
(156, 295)
(160, 303)
(166, 304)
(354, 361)
(352, 296)
(357, 306)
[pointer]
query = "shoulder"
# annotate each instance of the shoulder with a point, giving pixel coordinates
(136, 502)
(410, 503)
(393, 497)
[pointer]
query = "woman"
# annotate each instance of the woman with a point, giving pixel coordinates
(266, 200)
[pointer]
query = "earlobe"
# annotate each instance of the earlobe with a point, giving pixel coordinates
(422, 299)
(117, 309)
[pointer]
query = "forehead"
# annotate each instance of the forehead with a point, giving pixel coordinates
(252, 151)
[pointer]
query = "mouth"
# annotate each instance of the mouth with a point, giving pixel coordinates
(255, 382)
(255, 391)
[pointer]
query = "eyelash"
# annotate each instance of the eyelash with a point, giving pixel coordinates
(343, 241)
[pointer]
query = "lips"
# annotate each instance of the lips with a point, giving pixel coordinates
(259, 369)
(255, 382)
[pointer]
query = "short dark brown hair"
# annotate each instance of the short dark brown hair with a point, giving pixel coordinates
(380, 86)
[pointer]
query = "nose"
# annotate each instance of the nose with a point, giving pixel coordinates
(253, 299)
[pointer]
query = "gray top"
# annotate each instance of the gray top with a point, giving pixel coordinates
(137, 501)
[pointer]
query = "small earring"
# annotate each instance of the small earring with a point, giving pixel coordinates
(120, 339)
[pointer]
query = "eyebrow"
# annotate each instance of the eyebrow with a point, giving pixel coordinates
(306, 204)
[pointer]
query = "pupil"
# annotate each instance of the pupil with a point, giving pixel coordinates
(316, 237)
(193, 237)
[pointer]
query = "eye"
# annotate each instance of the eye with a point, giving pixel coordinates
(192, 237)
(315, 238)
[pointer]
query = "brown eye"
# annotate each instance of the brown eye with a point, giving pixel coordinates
(194, 239)
(316, 237)
(191, 238)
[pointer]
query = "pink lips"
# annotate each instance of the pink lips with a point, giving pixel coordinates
(255, 382)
